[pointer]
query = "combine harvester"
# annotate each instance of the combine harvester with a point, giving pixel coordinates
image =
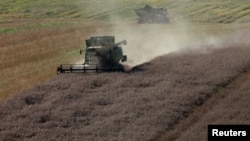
(149, 14)
(102, 54)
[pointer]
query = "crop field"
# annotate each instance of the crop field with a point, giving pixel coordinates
(138, 105)
(180, 76)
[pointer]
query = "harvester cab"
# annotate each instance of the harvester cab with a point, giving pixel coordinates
(101, 54)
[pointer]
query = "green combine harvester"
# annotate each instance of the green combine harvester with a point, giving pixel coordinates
(150, 14)
(102, 54)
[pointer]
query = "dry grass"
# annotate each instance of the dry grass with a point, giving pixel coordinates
(31, 57)
(229, 106)
(138, 105)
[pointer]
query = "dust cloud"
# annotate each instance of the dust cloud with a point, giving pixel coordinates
(147, 41)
